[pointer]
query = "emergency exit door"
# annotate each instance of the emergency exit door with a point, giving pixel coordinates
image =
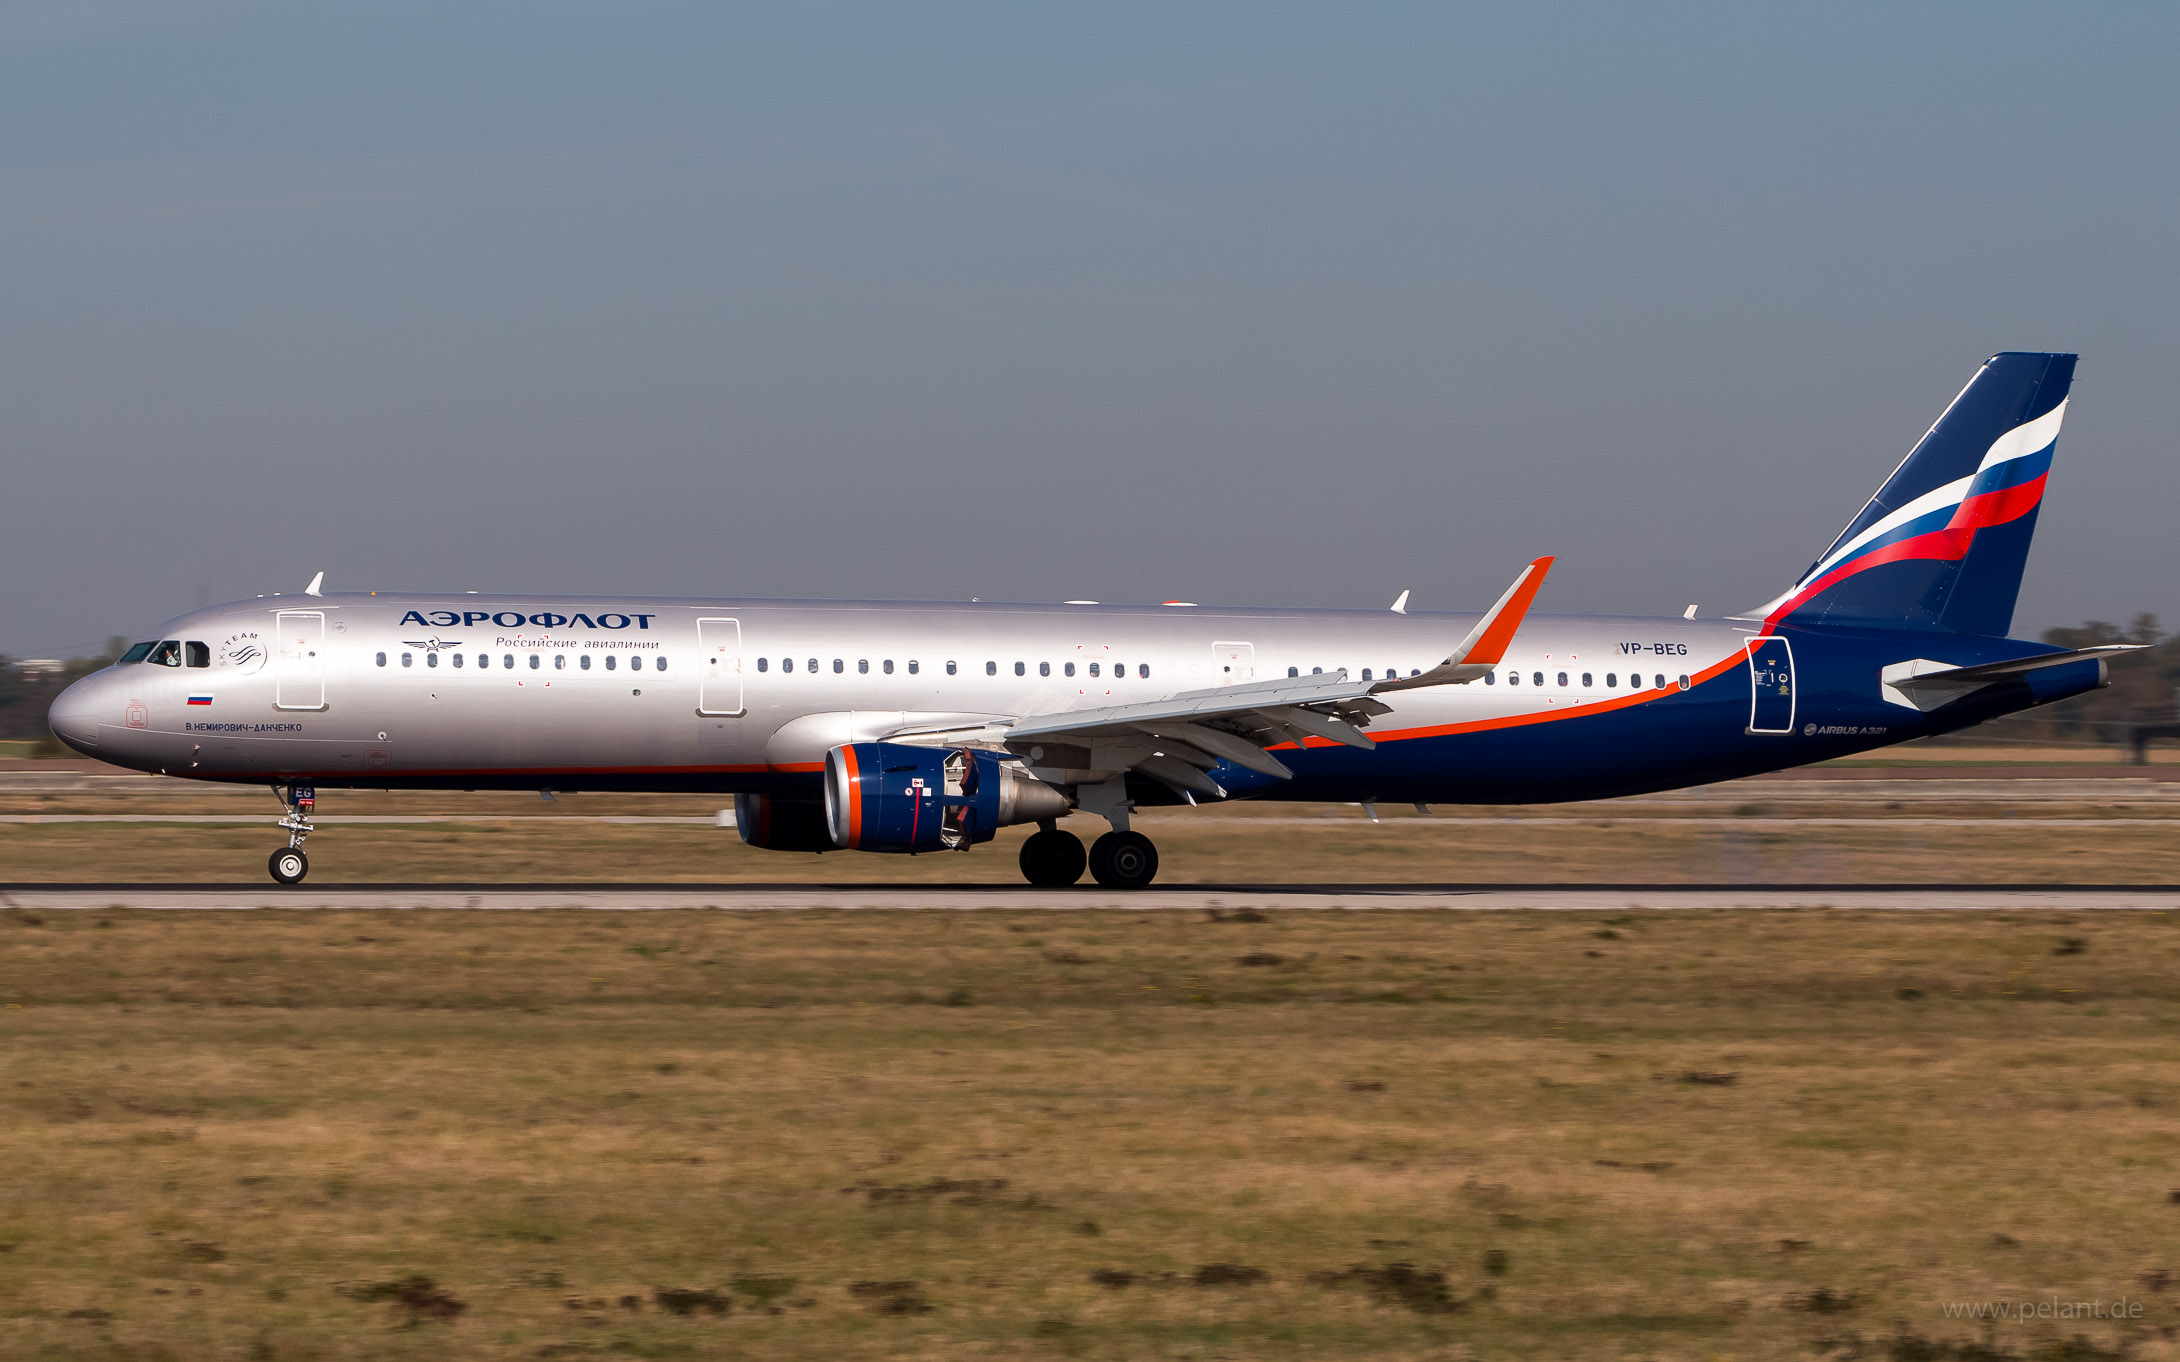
(299, 657)
(1771, 685)
(719, 679)
(1232, 663)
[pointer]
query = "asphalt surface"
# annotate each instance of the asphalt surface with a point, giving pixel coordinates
(1175, 898)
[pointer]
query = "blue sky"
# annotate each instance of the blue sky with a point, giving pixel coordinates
(1252, 304)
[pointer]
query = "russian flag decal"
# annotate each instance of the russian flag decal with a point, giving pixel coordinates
(200, 699)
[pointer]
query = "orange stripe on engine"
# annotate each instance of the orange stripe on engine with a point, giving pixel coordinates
(855, 795)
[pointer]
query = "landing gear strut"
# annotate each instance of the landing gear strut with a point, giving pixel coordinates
(1052, 859)
(289, 865)
(1123, 860)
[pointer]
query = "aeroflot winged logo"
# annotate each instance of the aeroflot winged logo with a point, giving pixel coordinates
(433, 644)
(515, 619)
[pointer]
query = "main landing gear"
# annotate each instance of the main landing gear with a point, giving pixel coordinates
(1123, 860)
(1052, 859)
(289, 865)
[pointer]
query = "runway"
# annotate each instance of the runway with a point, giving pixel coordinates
(1201, 898)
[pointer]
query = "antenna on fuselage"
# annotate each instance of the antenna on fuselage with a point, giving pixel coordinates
(315, 583)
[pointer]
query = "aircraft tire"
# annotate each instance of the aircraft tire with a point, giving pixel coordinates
(1123, 860)
(289, 865)
(1053, 859)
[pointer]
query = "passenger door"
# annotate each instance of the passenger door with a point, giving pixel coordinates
(1233, 662)
(299, 654)
(719, 683)
(1771, 685)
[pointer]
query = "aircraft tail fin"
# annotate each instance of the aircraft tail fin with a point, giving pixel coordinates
(1943, 543)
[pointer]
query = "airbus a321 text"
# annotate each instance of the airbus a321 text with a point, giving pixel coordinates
(907, 727)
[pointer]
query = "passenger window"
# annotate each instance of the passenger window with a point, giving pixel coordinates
(811, 667)
(862, 666)
(635, 664)
(949, 668)
(1513, 678)
(1020, 670)
(560, 662)
(889, 666)
(913, 666)
(138, 652)
(764, 664)
(382, 659)
(1536, 678)
(1294, 671)
(483, 660)
(1366, 674)
(1093, 669)
(1067, 669)
(1120, 669)
(1563, 680)
(839, 666)
(1491, 678)
(1684, 683)
(609, 662)
(167, 654)
(991, 669)
(1661, 681)
(197, 654)
(582, 661)
(1586, 682)
(534, 663)
(431, 659)
(406, 659)
(458, 660)
(1044, 669)
(1612, 679)
(507, 660)
(1143, 671)
(787, 664)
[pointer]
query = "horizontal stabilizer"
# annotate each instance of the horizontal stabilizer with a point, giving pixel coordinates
(1925, 685)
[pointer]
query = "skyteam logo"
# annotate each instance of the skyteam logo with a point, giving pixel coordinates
(1941, 524)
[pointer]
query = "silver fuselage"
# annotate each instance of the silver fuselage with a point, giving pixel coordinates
(470, 691)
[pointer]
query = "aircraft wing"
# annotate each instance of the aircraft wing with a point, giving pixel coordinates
(1179, 739)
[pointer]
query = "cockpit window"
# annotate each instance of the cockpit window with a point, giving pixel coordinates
(166, 654)
(198, 654)
(138, 652)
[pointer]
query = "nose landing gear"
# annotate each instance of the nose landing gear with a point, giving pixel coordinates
(289, 865)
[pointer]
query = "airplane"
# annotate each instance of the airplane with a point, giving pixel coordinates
(910, 727)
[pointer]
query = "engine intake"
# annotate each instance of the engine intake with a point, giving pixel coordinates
(893, 797)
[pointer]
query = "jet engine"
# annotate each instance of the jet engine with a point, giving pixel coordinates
(782, 824)
(893, 797)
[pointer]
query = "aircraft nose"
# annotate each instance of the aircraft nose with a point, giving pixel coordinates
(75, 713)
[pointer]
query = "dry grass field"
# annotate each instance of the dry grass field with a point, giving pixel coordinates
(291, 1135)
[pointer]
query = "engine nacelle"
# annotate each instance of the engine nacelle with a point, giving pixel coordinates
(782, 824)
(883, 796)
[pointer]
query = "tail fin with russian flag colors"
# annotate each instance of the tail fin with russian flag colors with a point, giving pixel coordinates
(1943, 543)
